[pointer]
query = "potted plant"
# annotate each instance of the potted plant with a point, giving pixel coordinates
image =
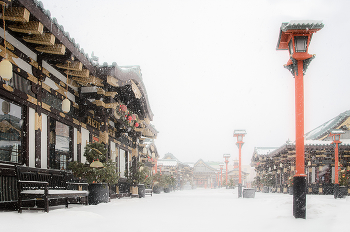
(343, 183)
(97, 170)
(169, 183)
(157, 183)
(136, 180)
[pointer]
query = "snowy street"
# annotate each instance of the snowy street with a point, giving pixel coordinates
(187, 210)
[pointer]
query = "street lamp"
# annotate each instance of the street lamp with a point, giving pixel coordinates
(226, 156)
(239, 134)
(217, 177)
(160, 168)
(295, 36)
(336, 139)
(221, 167)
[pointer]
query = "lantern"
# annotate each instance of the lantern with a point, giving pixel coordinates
(66, 105)
(6, 69)
(96, 164)
(5, 64)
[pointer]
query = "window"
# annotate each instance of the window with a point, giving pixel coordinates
(60, 147)
(11, 132)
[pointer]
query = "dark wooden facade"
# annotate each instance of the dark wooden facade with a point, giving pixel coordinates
(277, 168)
(34, 131)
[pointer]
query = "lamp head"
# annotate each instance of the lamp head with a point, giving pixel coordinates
(336, 134)
(239, 134)
(6, 69)
(96, 164)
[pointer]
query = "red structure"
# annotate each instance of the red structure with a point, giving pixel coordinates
(226, 156)
(221, 167)
(336, 140)
(295, 36)
(239, 134)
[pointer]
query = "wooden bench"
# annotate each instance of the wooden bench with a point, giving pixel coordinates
(42, 185)
(148, 191)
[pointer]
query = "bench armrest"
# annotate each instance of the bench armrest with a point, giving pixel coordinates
(75, 183)
(38, 183)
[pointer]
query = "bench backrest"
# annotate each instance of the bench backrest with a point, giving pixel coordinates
(56, 179)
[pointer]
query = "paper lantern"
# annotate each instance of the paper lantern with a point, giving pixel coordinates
(66, 105)
(6, 69)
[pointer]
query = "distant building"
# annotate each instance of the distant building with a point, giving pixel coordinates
(182, 172)
(208, 174)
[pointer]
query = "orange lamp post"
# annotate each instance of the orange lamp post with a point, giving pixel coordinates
(221, 167)
(160, 168)
(239, 134)
(336, 140)
(295, 36)
(226, 156)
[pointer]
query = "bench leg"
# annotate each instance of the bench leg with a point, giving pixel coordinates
(46, 204)
(19, 204)
(66, 202)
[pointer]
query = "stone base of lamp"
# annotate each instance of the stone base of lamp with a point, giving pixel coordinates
(239, 190)
(299, 197)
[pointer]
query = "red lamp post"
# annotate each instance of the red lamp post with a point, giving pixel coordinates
(295, 36)
(226, 156)
(239, 134)
(336, 140)
(221, 167)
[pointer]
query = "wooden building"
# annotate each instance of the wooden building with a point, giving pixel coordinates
(182, 172)
(276, 168)
(108, 103)
(208, 174)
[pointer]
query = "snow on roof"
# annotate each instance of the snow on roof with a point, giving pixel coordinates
(240, 132)
(167, 162)
(190, 164)
(302, 24)
(327, 127)
(264, 150)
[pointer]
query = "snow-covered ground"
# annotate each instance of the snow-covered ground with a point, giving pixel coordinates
(188, 210)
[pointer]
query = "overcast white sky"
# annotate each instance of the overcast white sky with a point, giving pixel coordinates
(211, 66)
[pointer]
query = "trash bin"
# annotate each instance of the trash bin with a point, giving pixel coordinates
(248, 193)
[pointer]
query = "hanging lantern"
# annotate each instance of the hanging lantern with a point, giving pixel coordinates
(66, 105)
(96, 164)
(133, 116)
(6, 69)
(66, 102)
(5, 64)
(129, 118)
(136, 124)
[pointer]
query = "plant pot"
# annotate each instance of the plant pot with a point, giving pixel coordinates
(343, 191)
(98, 193)
(156, 189)
(134, 191)
(141, 190)
(248, 193)
(265, 189)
